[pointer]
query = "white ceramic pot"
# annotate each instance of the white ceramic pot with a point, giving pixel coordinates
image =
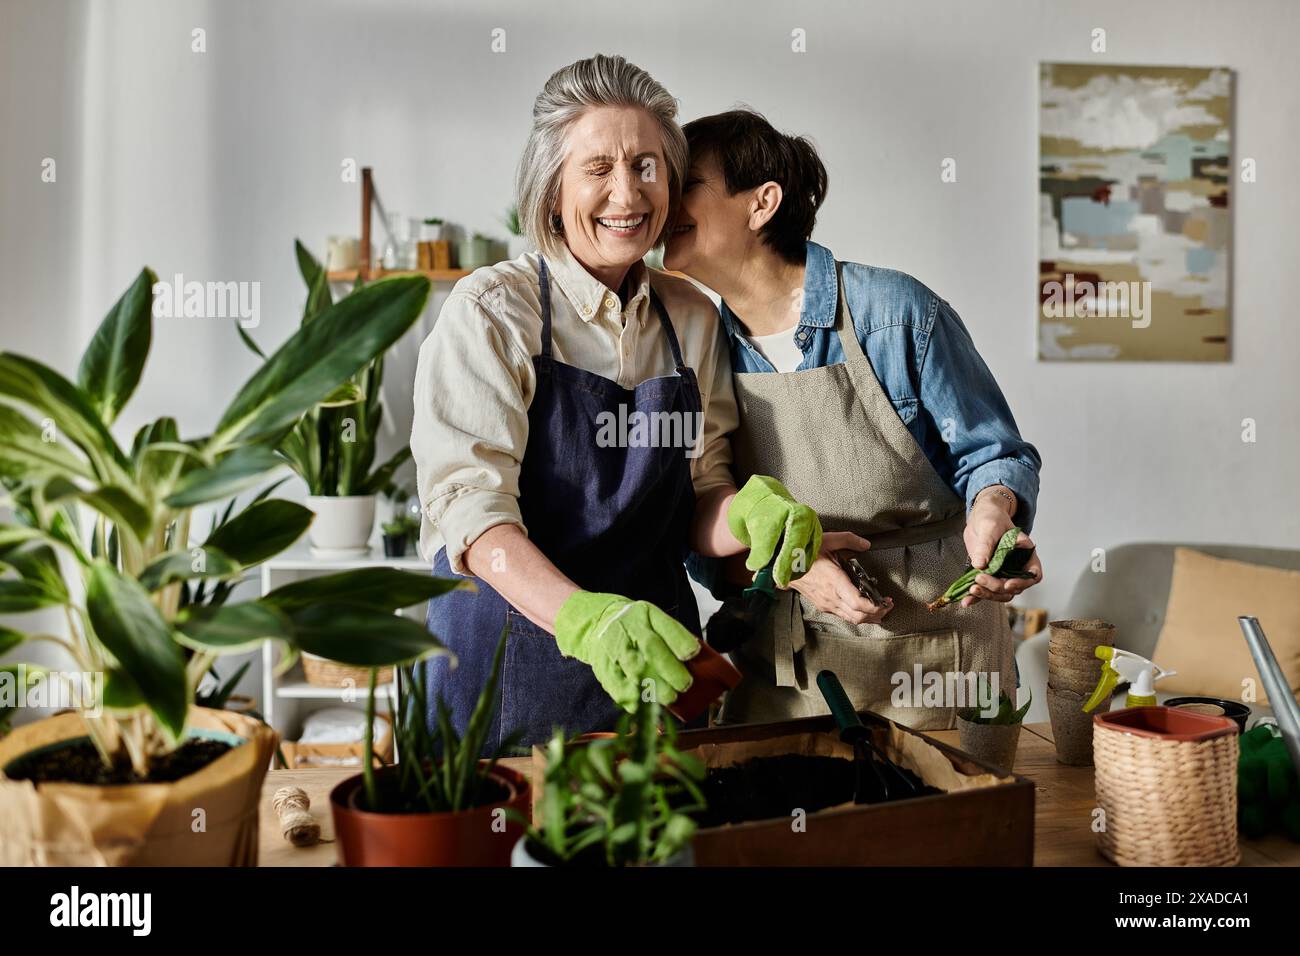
(342, 526)
(520, 856)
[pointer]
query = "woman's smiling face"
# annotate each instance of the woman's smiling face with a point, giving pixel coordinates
(614, 191)
(711, 229)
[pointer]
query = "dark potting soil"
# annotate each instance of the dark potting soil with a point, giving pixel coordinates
(80, 763)
(768, 787)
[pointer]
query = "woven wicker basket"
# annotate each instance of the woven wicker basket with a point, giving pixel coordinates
(321, 672)
(1167, 784)
(298, 755)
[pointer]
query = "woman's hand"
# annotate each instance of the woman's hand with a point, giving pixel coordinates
(831, 590)
(989, 519)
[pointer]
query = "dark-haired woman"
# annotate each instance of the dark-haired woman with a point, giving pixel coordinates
(862, 392)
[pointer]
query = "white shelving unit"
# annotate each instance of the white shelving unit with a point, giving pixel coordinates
(288, 699)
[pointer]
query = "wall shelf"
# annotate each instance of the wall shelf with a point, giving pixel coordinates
(434, 275)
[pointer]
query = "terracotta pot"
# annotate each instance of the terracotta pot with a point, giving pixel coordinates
(149, 824)
(714, 676)
(481, 836)
(992, 743)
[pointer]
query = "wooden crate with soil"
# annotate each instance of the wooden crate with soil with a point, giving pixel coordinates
(761, 776)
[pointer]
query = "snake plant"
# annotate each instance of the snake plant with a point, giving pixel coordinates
(135, 622)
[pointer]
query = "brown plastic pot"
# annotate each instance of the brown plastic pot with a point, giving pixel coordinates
(1166, 723)
(482, 836)
(713, 676)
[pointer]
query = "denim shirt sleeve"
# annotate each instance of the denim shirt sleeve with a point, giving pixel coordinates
(965, 407)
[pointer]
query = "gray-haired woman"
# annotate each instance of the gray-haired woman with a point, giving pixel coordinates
(571, 413)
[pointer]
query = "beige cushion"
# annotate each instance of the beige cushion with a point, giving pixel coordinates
(1201, 638)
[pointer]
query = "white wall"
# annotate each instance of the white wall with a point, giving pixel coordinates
(210, 164)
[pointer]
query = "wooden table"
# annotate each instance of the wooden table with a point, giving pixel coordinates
(1063, 805)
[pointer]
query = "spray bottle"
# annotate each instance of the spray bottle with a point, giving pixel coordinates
(1120, 664)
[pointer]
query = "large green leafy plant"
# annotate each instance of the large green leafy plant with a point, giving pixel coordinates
(136, 620)
(332, 447)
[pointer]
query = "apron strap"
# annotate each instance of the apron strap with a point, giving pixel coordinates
(844, 321)
(544, 285)
(668, 330)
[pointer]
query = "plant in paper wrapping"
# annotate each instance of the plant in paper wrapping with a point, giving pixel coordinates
(150, 622)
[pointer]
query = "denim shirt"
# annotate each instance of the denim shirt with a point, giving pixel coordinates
(926, 363)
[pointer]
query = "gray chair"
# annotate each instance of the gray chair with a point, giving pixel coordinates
(1132, 594)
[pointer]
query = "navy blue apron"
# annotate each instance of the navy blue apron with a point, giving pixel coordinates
(613, 519)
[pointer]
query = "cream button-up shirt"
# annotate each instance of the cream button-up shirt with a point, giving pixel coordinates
(475, 380)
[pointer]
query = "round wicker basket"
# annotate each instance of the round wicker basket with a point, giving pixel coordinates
(1168, 789)
(321, 672)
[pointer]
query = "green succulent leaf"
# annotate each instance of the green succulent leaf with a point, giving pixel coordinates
(180, 566)
(362, 636)
(114, 361)
(231, 628)
(320, 356)
(235, 472)
(130, 626)
(53, 397)
(25, 453)
(384, 589)
(261, 530)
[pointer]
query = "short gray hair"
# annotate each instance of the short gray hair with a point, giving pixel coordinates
(595, 82)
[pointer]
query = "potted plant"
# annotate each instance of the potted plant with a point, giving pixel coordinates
(440, 805)
(332, 447)
(622, 799)
(517, 243)
(431, 230)
(993, 739)
(137, 773)
(475, 252)
(402, 529)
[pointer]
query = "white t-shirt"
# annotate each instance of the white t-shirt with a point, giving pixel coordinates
(780, 349)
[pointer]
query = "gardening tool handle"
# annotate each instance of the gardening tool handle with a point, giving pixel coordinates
(729, 627)
(846, 718)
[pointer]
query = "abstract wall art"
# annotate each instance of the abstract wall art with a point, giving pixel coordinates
(1135, 227)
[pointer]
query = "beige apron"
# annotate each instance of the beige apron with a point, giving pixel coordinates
(832, 436)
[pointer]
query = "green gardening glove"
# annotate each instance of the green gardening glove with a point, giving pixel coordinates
(626, 642)
(763, 515)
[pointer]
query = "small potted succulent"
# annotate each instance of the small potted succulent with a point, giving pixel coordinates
(621, 799)
(431, 230)
(440, 804)
(993, 739)
(402, 529)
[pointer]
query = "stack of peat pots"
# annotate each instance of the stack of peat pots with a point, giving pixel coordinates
(1073, 670)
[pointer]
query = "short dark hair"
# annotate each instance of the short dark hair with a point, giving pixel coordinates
(750, 152)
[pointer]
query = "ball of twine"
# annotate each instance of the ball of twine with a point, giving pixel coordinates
(297, 825)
